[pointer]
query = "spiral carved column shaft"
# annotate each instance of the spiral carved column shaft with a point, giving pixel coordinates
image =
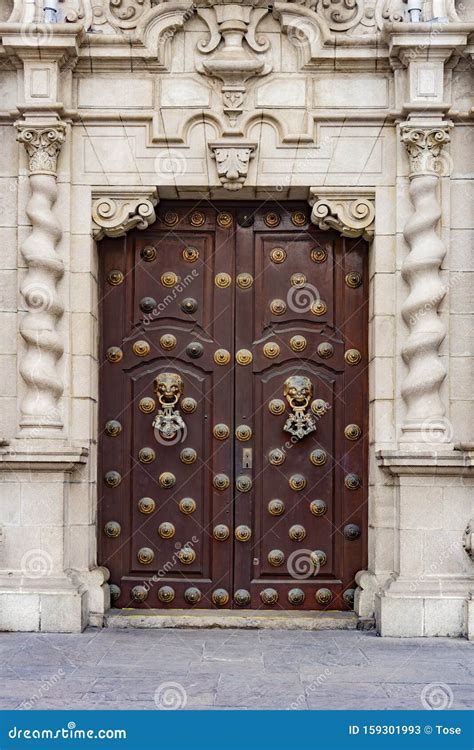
(421, 387)
(40, 410)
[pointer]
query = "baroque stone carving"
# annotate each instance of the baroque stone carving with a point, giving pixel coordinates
(351, 215)
(305, 21)
(361, 16)
(234, 65)
(340, 15)
(232, 162)
(335, 16)
(42, 146)
(106, 16)
(424, 147)
(76, 11)
(426, 372)
(44, 308)
(126, 13)
(117, 210)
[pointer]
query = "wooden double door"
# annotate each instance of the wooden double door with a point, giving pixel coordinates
(233, 410)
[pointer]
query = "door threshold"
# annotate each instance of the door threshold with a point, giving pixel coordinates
(248, 619)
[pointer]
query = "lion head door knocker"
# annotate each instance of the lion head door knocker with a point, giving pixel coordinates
(168, 422)
(298, 391)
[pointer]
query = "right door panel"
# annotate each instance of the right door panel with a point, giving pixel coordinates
(301, 388)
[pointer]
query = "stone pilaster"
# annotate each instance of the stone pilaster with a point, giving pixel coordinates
(40, 407)
(421, 388)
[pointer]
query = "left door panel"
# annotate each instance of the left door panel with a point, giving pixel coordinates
(167, 324)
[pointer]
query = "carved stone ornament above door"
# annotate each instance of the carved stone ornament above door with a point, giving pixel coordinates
(346, 17)
(115, 211)
(233, 28)
(232, 160)
(349, 211)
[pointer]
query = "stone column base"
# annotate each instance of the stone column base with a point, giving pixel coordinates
(57, 605)
(405, 616)
(49, 581)
(432, 581)
(63, 604)
(98, 595)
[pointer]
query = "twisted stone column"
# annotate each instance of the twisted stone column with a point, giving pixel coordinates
(421, 388)
(40, 412)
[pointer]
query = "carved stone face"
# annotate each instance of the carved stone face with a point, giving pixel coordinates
(169, 388)
(298, 391)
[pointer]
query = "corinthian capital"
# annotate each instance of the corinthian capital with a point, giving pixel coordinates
(424, 146)
(43, 145)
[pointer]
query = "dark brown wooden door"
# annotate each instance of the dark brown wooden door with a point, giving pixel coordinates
(233, 407)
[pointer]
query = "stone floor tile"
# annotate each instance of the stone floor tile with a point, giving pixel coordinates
(91, 704)
(9, 704)
(294, 658)
(403, 672)
(257, 692)
(367, 696)
(455, 697)
(229, 669)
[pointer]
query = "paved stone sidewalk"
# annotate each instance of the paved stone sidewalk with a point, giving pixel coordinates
(225, 669)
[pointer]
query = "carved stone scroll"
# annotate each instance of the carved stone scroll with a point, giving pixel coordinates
(117, 210)
(40, 411)
(421, 388)
(351, 215)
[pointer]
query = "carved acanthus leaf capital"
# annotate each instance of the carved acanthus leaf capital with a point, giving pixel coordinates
(424, 147)
(43, 145)
(232, 162)
(351, 215)
(116, 211)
